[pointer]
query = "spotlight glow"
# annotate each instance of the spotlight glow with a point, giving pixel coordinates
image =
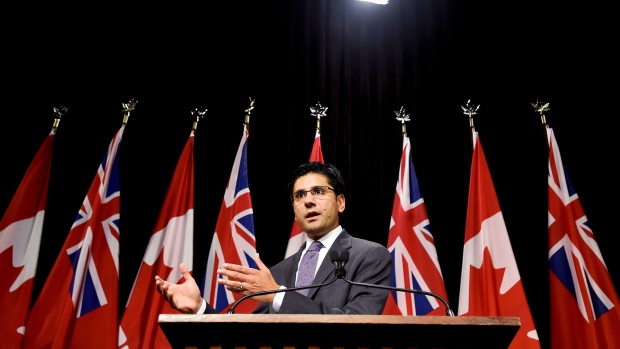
(378, 2)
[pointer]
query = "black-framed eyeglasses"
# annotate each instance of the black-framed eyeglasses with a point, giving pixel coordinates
(318, 192)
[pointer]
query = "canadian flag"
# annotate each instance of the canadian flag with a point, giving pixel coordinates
(20, 239)
(490, 280)
(171, 243)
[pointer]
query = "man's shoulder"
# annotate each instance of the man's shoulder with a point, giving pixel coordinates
(367, 250)
(366, 245)
(359, 242)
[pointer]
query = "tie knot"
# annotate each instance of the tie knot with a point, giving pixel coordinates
(315, 246)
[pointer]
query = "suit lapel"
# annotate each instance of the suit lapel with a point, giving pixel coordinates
(291, 269)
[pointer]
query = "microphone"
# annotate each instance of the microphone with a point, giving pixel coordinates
(339, 261)
(343, 258)
(231, 310)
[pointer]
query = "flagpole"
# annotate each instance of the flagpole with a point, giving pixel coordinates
(402, 117)
(541, 108)
(318, 112)
(58, 113)
(247, 114)
(197, 114)
(127, 109)
(471, 110)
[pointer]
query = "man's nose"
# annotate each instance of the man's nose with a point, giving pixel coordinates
(309, 199)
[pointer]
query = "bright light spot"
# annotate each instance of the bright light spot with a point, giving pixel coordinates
(378, 2)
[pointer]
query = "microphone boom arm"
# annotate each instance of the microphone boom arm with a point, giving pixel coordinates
(449, 311)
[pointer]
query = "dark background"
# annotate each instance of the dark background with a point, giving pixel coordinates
(363, 62)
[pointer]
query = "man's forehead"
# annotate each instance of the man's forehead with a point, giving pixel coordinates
(309, 181)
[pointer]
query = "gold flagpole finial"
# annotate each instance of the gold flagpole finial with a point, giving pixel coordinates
(318, 112)
(128, 108)
(197, 114)
(402, 117)
(470, 110)
(247, 113)
(58, 113)
(541, 108)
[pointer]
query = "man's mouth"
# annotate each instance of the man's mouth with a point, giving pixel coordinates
(312, 214)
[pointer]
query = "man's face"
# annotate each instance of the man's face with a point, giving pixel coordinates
(316, 214)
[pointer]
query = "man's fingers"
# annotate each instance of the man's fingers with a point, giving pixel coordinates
(232, 283)
(260, 263)
(234, 267)
(231, 274)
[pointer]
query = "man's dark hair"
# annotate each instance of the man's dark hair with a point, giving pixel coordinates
(334, 178)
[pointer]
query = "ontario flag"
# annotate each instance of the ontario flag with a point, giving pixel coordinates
(234, 240)
(298, 237)
(414, 259)
(584, 303)
(490, 280)
(171, 243)
(20, 239)
(78, 305)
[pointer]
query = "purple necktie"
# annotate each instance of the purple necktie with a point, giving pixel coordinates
(307, 267)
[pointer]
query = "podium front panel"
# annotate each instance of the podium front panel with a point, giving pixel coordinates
(284, 331)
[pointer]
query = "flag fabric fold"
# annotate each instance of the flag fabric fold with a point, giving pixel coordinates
(297, 236)
(78, 305)
(584, 302)
(415, 264)
(490, 280)
(20, 239)
(234, 240)
(171, 243)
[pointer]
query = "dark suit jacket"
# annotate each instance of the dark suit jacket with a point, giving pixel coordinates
(369, 262)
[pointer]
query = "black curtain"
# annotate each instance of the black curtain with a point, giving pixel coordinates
(361, 61)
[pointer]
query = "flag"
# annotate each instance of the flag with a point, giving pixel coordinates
(234, 240)
(20, 239)
(298, 237)
(490, 280)
(414, 259)
(171, 243)
(584, 303)
(78, 305)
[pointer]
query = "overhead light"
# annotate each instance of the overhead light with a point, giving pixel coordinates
(378, 2)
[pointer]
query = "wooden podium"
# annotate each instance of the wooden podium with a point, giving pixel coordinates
(283, 331)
